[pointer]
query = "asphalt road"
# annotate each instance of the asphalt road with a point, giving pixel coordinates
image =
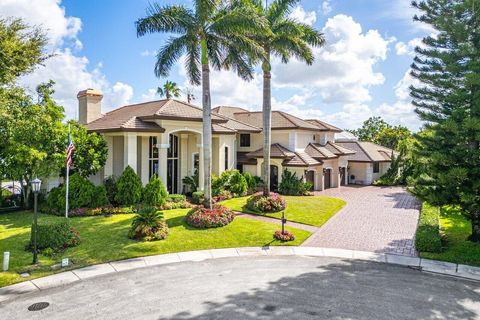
(289, 287)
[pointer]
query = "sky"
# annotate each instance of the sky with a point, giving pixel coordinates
(361, 71)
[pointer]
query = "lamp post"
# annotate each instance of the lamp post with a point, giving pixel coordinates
(36, 183)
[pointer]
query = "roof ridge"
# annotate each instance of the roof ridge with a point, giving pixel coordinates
(363, 149)
(233, 119)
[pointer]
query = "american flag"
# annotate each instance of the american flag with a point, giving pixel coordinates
(70, 148)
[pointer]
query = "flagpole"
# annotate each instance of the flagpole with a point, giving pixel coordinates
(68, 170)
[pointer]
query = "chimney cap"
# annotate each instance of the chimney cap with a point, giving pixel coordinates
(89, 92)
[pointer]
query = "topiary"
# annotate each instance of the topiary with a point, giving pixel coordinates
(129, 187)
(148, 225)
(154, 193)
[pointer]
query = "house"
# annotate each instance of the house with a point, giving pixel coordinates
(164, 137)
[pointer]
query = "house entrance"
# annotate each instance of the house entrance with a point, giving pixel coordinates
(273, 178)
(327, 177)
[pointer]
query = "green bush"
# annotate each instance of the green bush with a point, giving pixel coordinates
(427, 238)
(261, 204)
(129, 187)
(56, 199)
(57, 236)
(99, 197)
(176, 198)
(148, 225)
(80, 192)
(154, 193)
(291, 185)
(198, 197)
(252, 182)
(202, 218)
(110, 184)
(191, 182)
(230, 180)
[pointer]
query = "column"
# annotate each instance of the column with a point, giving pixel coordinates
(130, 150)
(108, 169)
(144, 160)
(183, 158)
(163, 144)
(201, 169)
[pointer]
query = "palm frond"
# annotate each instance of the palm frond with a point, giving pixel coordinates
(176, 19)
(205, 9)
(285, 47)
(169, 54)
(280, 9)
(192, 63)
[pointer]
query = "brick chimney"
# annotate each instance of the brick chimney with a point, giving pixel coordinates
(89, 105)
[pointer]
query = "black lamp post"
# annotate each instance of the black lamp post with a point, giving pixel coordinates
(36, 183)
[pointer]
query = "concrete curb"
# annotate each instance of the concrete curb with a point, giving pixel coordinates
(67, 277)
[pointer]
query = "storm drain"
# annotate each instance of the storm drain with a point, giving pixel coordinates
(38, 306)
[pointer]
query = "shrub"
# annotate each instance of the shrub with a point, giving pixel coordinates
(291, 185)
(261, 204)
(252, 182)
(427, 238)
(175, 205)
(99, 197)
(230, 180)
(80, 192)
(191, 182)
(148, 225)
(223, 195)
(217, 216)
(110, 210)
(154, 193)
(198, 197)
(57, 236)
(129, 187)
(176, 198)
(111, 187)
(56, 199)
(285, 236)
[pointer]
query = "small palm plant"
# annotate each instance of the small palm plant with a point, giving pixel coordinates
(168, 90)
(148, 225)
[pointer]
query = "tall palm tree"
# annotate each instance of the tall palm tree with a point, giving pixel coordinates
(285, 38)
(168, 90)
(213, 34)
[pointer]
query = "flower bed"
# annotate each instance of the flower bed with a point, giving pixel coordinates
(217, 216)
(285, 236)
(148, 225)
(259, 203)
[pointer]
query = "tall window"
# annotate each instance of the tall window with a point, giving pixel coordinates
(376, 167)
(152, 156)
(172, 165)
(244, 139)
(226, 158)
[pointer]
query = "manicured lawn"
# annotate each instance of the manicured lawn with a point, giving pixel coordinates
(312, 210)
(455, 228)
(105, 239)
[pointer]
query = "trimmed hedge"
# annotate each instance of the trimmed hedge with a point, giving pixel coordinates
(56, 236)
(176, 198)
(427, 238)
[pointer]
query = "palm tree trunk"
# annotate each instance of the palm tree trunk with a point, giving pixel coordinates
(267, 122)
(207, 127)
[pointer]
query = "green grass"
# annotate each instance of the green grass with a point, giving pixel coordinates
(312, 210)
(105, 239)
(455, 229)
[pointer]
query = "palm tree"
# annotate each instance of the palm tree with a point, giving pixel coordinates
(213, 34)
(285, 38)
(168, 90)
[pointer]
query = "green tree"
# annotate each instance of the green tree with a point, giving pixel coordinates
(129, 187)
(168, 90)
(391, 137)
(21, 49)
(91, 150)
(213, 34)
(154, 193)
(286, 38)
(370, 129)
(448, 100)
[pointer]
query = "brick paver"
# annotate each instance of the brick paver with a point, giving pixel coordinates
(376, 219)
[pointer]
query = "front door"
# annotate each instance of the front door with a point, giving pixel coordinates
(342, 176)
(273, 178)
(310, 177)
(327, 176)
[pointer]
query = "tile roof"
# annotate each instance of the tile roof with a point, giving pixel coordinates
(238, 125)
(323, 126)
(242, 158)
(338, 149)
(276, 151)
(301, 159)
(228, 111)
(291, 159)
(280, 120)
(316, 150)
(367, 151)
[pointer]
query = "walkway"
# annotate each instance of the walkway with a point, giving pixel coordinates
(376, 219)
(257, 287)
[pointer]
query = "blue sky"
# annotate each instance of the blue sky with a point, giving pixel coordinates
(359, 73)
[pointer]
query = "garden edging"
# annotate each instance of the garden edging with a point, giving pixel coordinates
(67, 277)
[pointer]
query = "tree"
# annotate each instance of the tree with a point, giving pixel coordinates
(21, 48)
(448, 100)
(91, 150)
(286, 38)
(391, 137)
(214, 34)
(370, 129)
(168, 90)
(154, 193)
(129, 187)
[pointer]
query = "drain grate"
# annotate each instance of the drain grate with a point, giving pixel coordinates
(38, 306)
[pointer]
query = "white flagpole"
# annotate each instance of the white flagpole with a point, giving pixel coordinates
(68, 169)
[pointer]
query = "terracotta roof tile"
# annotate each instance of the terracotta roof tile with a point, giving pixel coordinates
(301, 159)
(276, 151)
(280, 120)
(323, 126)
(367, 151)
(242, 158)
(317, 151)
(238, 125)
(228, 111)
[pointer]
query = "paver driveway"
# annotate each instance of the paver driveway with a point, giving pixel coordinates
(377, 219)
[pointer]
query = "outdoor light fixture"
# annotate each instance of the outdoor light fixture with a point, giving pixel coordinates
(36, 184)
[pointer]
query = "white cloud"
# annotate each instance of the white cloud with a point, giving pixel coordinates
(326, 7)
(147, 53)
(150, 95)
(403, 48)
(403, 10)
(343, 70)
(301, 15)
(70, 71)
